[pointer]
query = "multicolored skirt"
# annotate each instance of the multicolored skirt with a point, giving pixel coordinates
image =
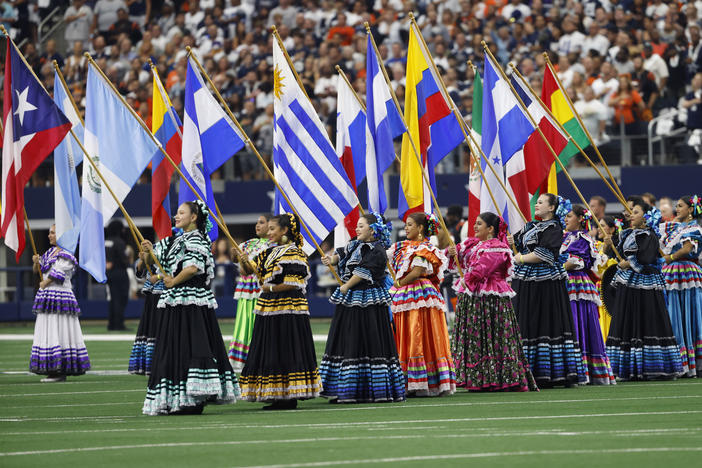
(360, 363)
(641, 344)
(243, 330)
(58, 347)
(684, 303)
(589, 333)
(145, 341)
(190, 366)
(487, 346)
(548, 335)
(282, 363)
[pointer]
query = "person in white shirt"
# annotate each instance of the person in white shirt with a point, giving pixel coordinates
(655, 64)
(571, 40)
(106, 14)
(606, 85)
(194, 16)
(78, 18)
(287, 13)
(593, 113)
(508, 11)
(595, 41)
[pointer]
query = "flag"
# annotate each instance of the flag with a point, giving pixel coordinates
(67, 156)
(554, 98)
(431, 124)
(304, 161)
(385, 124)
(167, 128)
(505, 129)
(121, 148)
(33, 127)
(529, 167)
(475, 181)
(210, 138)
(355, 149)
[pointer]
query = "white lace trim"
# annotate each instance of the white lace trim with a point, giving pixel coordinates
(420, 304)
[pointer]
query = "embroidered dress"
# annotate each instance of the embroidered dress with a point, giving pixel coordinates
(245, 295)
(282, 364)
(190, 366)
(641, 343)
(360, 363)
(142, 354)
(543, 309)
(607, 259)
(421, 334)
(487, 345)
(579, 248)
(58, 347)
(683, 283)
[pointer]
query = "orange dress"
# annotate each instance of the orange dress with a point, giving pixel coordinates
(421, 334)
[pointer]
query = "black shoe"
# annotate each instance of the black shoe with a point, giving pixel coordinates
(281, 405)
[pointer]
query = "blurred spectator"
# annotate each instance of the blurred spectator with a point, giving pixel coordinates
(105, 15)
(124, 25)
(656, 65)
(627, 104)
(594, 115)
(8, 14)
(78, 18)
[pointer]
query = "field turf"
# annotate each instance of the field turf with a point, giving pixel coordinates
(96, 420)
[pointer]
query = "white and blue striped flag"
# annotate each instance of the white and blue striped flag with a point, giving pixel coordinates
(385, 124)
(305, 163)
(121, 149)
(67, 156)
(210, 138)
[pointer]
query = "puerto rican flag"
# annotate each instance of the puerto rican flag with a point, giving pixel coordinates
(33, 127)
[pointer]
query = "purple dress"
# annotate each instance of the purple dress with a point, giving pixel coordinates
(579, 248)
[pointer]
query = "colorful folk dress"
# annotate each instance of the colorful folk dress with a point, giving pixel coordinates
(58, 347)
(421, 334)
(360, 363)
(641, 343)
(607, 259)
(487, 345)
(142, 355)
(579, 249)
(282, 364)
(245, 295)
(683, 283)
(543, 308)
(190, 366)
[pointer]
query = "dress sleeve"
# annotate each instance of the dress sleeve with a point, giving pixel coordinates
(579, 252)
(488, 261)
(61, 269)
(372, 264)
(549, 243)
(295, 269)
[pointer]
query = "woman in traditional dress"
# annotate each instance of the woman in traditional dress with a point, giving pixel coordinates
(609, 225)
(580, 256)
(641, 343)
(58, 349)
(142, 354)
(360, 363)
(281, 367)
(418, 307)
(541, 301)
(190, 366)
(487, 345)
(245, 295)
(683, 281)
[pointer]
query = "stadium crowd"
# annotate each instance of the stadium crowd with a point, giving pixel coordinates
(623, 62)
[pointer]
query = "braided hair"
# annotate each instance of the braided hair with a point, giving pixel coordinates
(290, 221)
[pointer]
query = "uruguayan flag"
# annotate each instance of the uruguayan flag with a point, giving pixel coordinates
(67, 156)
(505, 129)
(305, 163)
(121, 149)
(210, 138)
(385, 124)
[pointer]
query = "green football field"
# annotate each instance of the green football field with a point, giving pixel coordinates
(96, 420)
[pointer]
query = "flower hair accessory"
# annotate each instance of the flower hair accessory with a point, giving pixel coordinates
(502, 230)
(295, 230)
(381, 230)
(618, 225)
(564, 207)
(432, 225)
(206, 213)
(653, 219)
(696, 205)
(587, 219)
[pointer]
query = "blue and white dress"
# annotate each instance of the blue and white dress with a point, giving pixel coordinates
(641, 344)
(683, 283)
(142, 354)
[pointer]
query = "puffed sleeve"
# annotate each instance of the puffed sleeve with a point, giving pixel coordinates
(295, 269)
(372, 264)
(549, 244)
(519, 235)
(161, 247)
(579, 253)
(462, 252)
(196, 254)
(489, 261)
(61, 269)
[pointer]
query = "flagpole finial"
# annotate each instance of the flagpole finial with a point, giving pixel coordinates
(367, 26)
(547, 57)
(411, 16)
(484, 44)
(338, 68)
(151, 63)
(274, 30)
(4, 31)
(55, 64)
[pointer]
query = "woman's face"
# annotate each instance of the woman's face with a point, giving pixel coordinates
(52, 235)
(543, 208)
(482, 230)
(222, 247)
(364, 233)
(604, 230)
(412, 229)
(573, 222)
(262, 226)
(275, 232)
(637, 217)
(682, 210)
(184, 218)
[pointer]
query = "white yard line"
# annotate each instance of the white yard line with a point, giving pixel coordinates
(112, 337)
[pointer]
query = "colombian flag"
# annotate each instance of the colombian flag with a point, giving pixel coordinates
(554, 98)
(167, 128)
(430, 122)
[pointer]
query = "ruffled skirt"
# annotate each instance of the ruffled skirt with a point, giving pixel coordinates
(58, 347)
(546, 323)
(145, 341)
(487, 346)
(190, 366)
(360, 363)
(641, 344)
(282, 364)
(592, 346)
(243, 330)
(684, 300)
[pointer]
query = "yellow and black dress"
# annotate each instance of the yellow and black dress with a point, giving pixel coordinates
(282, 364)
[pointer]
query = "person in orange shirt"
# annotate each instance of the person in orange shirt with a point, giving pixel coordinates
(341, 29)
(627, 104)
